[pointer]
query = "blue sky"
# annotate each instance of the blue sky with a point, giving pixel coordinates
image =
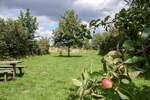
(48, 11)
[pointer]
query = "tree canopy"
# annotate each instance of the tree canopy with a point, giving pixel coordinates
(17, 36)
(70, 31)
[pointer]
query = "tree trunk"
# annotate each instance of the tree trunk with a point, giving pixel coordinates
(68, 51)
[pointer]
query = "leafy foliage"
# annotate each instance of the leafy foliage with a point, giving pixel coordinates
(107, 41)
(70, 31)
(17, 36)
(44, 45)
(114, 70)
(133, 25)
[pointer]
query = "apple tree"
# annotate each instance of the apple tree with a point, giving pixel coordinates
(70, 31)
(134, 24)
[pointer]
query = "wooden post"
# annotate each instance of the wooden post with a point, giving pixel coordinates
(5, 76)
(68, 51)
(14, 68)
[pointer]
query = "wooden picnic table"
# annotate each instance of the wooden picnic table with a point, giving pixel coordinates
(13, 63)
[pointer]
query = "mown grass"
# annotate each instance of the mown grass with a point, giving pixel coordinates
(49, 77)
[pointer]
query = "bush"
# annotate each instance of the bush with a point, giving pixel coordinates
(44, 45)
(107, 41)
(17, 36)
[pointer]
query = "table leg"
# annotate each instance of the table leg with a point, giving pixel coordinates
(14, 73)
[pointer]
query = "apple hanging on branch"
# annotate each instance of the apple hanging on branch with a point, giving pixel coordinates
(106, 83)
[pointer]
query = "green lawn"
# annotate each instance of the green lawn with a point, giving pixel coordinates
(49, 77)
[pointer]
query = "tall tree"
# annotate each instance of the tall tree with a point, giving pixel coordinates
(70, 31)
(14, 38)
(31, 24)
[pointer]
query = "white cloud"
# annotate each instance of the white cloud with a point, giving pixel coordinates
(47, 12)
(84, 22)
(8, 13)
(45, 21)
(93, 4)
(105, 7)
(116, 9)
(41, 33)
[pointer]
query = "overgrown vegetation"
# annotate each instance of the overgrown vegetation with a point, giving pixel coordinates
(107, 41)
(17, 37)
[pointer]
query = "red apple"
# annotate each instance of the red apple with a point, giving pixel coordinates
(102, 21)
(107, 83)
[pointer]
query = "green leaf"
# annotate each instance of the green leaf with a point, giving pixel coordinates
(95, 74)
(115, 74)
(146, 34)
(117, 60)
(76, 82)
(125, 81)
(92, 23)
(122, 96)
(81, 92)
(85, 82)
(106, 18)
(134, 59)
(129, 45)
(134, 74)
(85, 74)
(105, 67)
(108, 59)
(114, 54)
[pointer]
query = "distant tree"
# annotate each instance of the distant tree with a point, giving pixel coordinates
(87, 44)
(107, 41)
(97, 40)
(44, 45)
(70, 31)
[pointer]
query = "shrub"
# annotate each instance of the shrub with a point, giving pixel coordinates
(44, 45)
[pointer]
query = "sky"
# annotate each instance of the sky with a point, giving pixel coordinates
(48, 12)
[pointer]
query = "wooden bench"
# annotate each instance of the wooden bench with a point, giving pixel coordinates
(5, 72)
(18, 66)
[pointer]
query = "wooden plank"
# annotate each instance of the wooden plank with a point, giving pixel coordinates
(3, 71)
(10, 62)
(17, 66)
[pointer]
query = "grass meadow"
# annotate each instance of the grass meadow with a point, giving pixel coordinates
(49, 77)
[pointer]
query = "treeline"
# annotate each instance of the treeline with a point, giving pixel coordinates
(107, 41)
(17, 37)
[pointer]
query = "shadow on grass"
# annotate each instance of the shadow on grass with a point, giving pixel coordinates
(68, 56)
(10, 77)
